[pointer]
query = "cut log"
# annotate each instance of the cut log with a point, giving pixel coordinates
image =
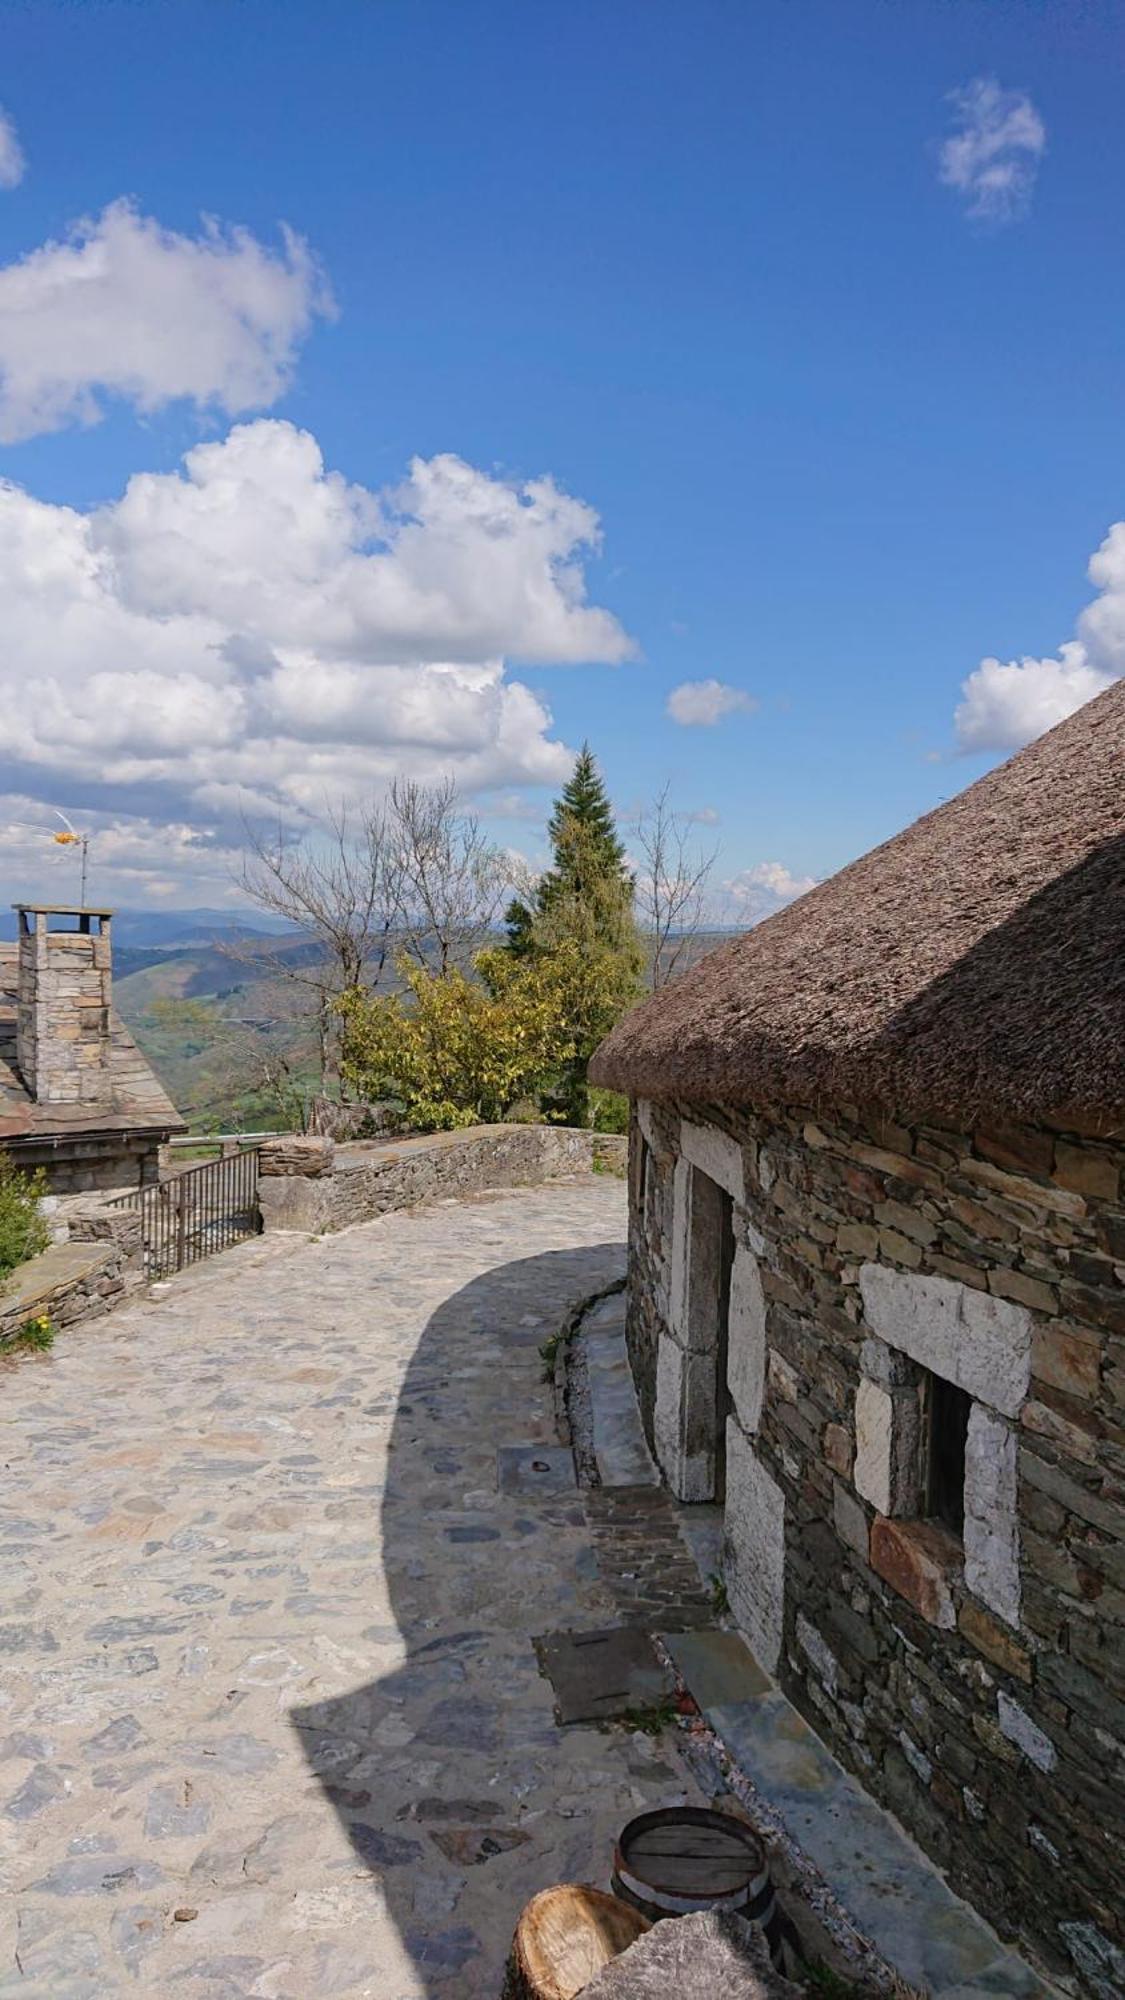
(694, 1958)
(564, 1938)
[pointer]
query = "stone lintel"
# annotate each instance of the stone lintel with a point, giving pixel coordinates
(716, 1155)
(969, 1337)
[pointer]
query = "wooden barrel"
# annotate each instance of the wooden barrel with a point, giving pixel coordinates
(685, 1858)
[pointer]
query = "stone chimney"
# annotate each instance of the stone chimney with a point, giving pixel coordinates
(62, 1019)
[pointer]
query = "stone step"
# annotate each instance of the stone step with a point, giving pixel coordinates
(895, 1896)
(622, 1455)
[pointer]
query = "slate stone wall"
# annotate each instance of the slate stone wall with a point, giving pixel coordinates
(97, 1267)
(62, 1016)
(977, 1690)
(81, 1166)
(315, 1184)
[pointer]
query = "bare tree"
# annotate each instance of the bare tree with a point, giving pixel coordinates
(342, 889)
(416, 875)
(671, 887)
(452, 879)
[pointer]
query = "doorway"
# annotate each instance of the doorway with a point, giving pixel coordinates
(710, 1263)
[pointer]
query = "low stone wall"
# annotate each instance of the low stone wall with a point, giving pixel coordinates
(975, 1681)
(101, 1262)
(313, 1184)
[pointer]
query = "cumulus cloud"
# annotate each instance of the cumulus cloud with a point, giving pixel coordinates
(1004, 704)
(123, 307)
(255, 635)
(992, 156)
(757, 892)
(12, 163)
(700, 704)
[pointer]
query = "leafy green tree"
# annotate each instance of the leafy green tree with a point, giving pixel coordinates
(459, 1048)
(459, 1051)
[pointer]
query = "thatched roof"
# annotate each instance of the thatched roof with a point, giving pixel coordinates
(973, 965)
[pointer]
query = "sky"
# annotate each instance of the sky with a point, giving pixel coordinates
(406, 386)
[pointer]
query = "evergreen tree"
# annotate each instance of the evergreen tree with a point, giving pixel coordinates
(586, 852)
(583, 802)
(582, 912)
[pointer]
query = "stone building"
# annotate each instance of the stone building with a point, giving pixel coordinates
(76, 1095)
(877, 1310)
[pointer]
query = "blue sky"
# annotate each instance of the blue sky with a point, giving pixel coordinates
(848, 409)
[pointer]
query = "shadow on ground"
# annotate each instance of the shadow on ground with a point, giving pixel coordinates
(450, 1777)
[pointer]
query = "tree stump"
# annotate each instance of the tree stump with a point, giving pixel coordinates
(564, 1938)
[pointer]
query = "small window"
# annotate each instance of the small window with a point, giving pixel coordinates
(947, 1429)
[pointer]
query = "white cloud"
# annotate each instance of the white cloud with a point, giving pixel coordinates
(757, 892)
(1005, 704)
(253, 634)
(993, 154)
(703, 703)
(123, 307)
(132, 860)
(12, 162)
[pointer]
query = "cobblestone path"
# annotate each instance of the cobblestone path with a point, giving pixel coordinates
(270, 1719)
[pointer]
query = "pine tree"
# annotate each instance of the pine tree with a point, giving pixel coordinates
(585, 849)
(582, 913)
(583, 801)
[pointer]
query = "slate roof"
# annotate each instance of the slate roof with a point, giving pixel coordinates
(138, 1102)
(974, 964)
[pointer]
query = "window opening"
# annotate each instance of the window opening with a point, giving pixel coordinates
(946, 1434)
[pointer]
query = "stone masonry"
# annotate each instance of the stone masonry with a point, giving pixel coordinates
(62, 1023)
(974, 1682)
(97, 1266)
(313, 1184)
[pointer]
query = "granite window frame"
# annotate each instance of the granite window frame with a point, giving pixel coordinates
(915, 1320)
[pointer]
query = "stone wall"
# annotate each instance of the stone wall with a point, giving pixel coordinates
(99, 1264)
(62, 1016)
(83, 1166)
(314, 1184)
(975, 1683)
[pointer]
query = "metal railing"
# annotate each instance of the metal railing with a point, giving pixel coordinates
(194, 1213)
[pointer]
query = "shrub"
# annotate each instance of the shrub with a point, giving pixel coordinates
(23, 1232)
(458, 1051)
(609, 1112)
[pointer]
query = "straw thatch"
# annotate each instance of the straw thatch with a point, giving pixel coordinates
(973, 965)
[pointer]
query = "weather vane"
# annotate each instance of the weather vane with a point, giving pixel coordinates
(69, 836)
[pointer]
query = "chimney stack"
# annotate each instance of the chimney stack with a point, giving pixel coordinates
(62, 1020)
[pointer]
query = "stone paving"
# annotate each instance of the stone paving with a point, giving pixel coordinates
(271, 1722)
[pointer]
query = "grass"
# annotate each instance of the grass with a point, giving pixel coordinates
(549, 1353)
(549, 1349)
(652, 1717)
(720, 1601)
(822, 1980)
(36, 1335)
